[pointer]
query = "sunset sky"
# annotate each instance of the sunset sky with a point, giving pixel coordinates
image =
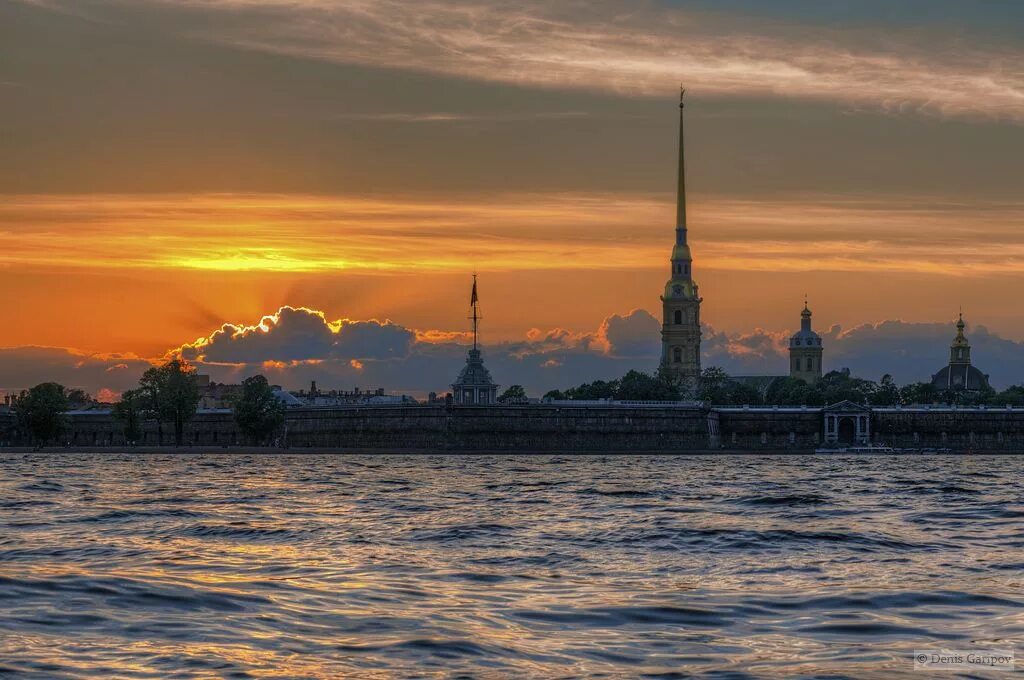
(171, 166)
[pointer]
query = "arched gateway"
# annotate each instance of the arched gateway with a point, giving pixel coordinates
(847, 423)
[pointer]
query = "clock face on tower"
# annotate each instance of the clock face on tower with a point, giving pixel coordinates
(678, 290)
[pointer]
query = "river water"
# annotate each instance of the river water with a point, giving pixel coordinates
(235, 566)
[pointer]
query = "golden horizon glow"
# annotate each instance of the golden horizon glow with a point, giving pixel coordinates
(506, 232)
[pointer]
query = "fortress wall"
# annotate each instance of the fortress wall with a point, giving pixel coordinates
(770, 429)
(555, 428)
(961, 429)
(444, 428)
(503, 428)
(7, 428)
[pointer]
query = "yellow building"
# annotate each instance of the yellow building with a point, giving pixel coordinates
(805, 351)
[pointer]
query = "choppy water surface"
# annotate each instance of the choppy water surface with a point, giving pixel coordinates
(533, 566)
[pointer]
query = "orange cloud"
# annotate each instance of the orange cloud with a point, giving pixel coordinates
(521, 232)
(434, 336)
(294, 336)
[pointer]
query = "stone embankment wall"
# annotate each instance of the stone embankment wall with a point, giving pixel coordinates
(560, 428)
(442, 428)
(989, 429)
(768, 429)
(802, 428)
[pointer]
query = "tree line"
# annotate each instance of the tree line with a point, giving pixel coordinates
(167, 395)
(717, 387)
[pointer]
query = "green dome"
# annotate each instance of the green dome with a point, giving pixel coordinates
(681, 252)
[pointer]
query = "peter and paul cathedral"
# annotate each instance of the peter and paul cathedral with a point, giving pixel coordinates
(680, 330)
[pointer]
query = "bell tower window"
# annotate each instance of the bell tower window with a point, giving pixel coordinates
(677, 355)
(677, 317)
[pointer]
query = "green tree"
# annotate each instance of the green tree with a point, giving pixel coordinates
(676, 384)
(919, 393)
(714, 386)
(515, 394)
(964, 397)
(78, 398)
(169, 395)
(794, 392)
(258, 412)
(637, 385)
(742, 393)
(1012, 395)
(41, 412)
(887, 394)
(599, 389)
(718, 388)
(838, 386)
(128, 411)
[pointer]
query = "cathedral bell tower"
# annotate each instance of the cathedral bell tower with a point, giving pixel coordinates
(960, 350)
(805, 351)
(680, 330)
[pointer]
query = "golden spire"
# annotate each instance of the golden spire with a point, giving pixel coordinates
(681, 187)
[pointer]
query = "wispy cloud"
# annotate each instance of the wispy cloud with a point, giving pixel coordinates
(449, 117)
(314, 233)
(507, 232)
(637, 47)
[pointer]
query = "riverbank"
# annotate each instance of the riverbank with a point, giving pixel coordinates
(584, 428)
(322, 450)
(332, 451)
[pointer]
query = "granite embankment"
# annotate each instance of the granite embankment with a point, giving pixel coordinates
(617, 428)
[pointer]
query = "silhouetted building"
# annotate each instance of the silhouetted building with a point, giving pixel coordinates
(335, 397)
(805, 351)
(680, 330)
(214, 395)
(960, 374)
(474, 384)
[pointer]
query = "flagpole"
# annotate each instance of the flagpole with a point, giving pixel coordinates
(475, 316)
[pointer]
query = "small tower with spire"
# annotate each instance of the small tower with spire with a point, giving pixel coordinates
(680, 329)
(474, 385)
(959, 374)
(805, 350)
(960, 349)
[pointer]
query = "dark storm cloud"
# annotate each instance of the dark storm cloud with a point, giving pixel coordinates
(914, 351)
(23, 367)
(636, 334)
(910, 352)
(304, 344)
(297, 345)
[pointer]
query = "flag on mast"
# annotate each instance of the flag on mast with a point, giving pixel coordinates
(473, 298)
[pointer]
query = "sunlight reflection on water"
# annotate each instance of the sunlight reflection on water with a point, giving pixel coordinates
(320, 566)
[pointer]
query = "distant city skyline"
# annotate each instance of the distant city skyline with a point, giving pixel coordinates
(176, 167)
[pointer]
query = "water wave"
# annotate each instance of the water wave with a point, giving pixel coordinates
(501, 566)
